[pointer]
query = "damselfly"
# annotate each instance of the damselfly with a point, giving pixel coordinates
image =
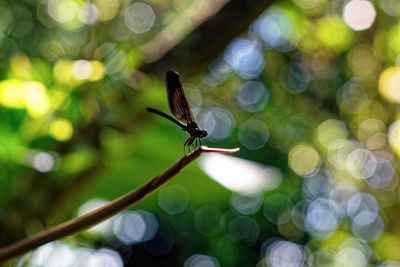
(179, 106)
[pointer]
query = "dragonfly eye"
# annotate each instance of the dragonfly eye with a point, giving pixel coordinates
(203, 133)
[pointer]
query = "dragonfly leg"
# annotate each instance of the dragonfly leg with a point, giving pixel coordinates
(190, 142)
(185, 145)
(194, 145)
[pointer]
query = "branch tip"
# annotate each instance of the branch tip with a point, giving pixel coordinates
(219, 150)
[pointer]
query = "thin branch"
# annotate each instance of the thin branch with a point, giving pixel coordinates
(96, 216)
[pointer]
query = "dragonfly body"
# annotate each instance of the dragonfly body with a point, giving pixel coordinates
(180, 108)
(195, 133)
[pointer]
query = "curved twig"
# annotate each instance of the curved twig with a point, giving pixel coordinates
(94, 217)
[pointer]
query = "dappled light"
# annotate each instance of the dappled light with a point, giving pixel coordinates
(61, 254)
(307, 89)
(240, 175)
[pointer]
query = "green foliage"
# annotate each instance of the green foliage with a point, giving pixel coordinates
(309, 93)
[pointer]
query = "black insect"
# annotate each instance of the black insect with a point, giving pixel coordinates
(180, 108)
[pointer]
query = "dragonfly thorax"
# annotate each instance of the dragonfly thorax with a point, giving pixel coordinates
(194, 130)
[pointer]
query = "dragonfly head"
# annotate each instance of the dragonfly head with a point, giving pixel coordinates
(203, 133)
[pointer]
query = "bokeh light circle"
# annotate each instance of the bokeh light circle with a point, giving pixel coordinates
(139, 17)
(253, 96)
(253, 134)
(218, 123)
(246, 204)
(304, 159)
(321, 218)
(359, 14)
(134, 227)
(394, 136)
(201, 260)
(173, 199)
(245, 57)
(208, 220)
(244, 230)
(283, 253)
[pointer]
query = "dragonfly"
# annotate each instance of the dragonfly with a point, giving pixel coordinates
(180, 108)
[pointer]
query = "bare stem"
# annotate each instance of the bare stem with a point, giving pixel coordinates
(96, 216)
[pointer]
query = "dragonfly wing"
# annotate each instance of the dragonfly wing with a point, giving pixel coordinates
(176, 97)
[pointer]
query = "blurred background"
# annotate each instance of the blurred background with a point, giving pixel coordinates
(308, 89)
